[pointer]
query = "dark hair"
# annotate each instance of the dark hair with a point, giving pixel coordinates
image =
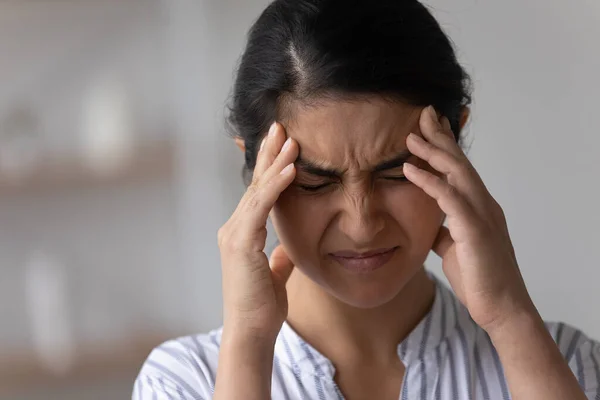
(306, 50)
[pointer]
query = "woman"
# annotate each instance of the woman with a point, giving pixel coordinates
(349, 114)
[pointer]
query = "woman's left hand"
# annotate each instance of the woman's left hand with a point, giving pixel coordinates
(476, 250)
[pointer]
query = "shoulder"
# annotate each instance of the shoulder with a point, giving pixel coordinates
(181, 368)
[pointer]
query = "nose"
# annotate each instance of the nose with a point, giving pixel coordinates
(360, 219)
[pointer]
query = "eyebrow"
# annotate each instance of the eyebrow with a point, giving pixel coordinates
(395, 162)
(313, 168)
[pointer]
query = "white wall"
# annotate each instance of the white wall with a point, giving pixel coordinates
(534, 138)
(205, 38)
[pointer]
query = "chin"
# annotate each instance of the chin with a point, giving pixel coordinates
(362, 290)
(373, 289)
(368, 295)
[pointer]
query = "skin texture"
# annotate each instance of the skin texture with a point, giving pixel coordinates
(357, 320)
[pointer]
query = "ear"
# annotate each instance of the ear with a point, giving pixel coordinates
(464, 117)
(240, 143)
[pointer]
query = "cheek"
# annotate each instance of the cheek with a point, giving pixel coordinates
(417, 214)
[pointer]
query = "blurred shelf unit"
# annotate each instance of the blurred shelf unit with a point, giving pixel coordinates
(92, 363)
(152, 161)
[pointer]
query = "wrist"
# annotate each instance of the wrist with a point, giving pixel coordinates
(245, 364)
(505, 309)
(260, 326)
(238, 333)
(241, 348)
(520, 321)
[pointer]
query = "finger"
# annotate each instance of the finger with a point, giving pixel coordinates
(460, 173)
(439, 159)
(446, 124)
(260, 198)
(269, 149)
(281, 265)
(437, 134)
(262, 194)
(443, 242)
(447, 196)
(288, 154)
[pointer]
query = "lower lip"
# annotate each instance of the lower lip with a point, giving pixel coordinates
(365, 265)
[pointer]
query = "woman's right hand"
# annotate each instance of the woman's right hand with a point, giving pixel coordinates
(254, 294)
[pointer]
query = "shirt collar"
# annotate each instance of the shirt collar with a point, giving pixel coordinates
(433, 329)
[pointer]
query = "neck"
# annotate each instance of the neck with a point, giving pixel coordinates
(342, 332)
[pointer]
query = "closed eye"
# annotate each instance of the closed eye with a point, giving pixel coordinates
(396, 178)
(316, 188)
(313, 188)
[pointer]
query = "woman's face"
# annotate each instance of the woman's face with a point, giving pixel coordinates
(350, 221)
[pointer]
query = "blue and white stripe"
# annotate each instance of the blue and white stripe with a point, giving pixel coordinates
(447, 357)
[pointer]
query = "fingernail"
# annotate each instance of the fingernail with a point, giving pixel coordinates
(273, 129)
(286, 145)
(287, 169)
(409, 167)
(415, 137)
(262, 144)
(434, 115)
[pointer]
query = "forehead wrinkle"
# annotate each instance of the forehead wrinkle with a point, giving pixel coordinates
(353, 135)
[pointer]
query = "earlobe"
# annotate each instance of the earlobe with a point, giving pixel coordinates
(464, 117)
(240, 143)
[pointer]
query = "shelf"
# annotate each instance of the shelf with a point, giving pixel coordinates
(149, 162)
(93, 364)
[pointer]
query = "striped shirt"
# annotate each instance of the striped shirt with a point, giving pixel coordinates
(447, 357)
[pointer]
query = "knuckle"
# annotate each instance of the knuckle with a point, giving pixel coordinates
(256, 193)
(447, 137)
(269, 183)
(432, 179)
(435, 157)
(222, 235)
(498, 210)
(257, 244)
(441, 132)
(463, 165)
(231, 244)
(451, 191)
(235, 246)
(428, 147)
(252, 189)
(462, 170)
(253, 196)
(495, 206)
(253, 202)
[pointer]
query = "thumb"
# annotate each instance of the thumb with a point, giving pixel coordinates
(281, 265)
(443, 242)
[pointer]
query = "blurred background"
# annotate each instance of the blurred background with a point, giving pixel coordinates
(116, 171)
